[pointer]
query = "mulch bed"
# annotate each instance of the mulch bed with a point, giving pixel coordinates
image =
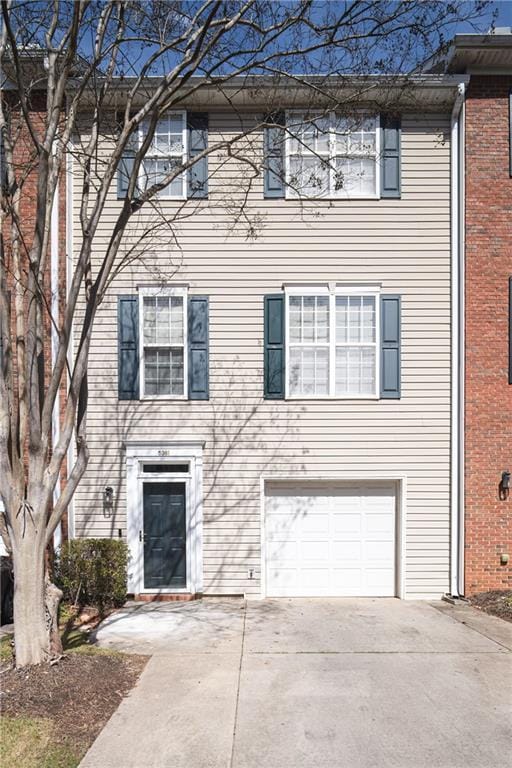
(498, 603)
(79, 694)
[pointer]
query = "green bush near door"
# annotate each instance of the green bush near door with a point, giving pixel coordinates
(93, 572)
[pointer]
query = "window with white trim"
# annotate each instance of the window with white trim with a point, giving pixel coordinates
(168, 150)
(332, 343)
(330, 155)
(163, 333)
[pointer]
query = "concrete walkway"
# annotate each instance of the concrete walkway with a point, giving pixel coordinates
(311, 683)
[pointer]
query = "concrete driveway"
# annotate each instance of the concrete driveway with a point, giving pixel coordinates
(316, 683)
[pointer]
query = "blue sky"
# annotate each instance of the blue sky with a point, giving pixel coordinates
(505, 13)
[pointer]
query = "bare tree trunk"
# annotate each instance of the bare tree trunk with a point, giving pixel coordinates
(31, 637)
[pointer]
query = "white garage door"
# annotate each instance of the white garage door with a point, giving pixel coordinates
(330, 541)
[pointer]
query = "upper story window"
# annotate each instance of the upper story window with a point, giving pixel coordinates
(168, 150)
(331, 343)
(332, 156)
(163, 333)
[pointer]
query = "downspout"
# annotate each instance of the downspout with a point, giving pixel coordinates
(54, 308)
(462, 337)
(457, 288)
(69, 278)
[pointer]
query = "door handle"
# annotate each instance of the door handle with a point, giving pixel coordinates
(142, 536)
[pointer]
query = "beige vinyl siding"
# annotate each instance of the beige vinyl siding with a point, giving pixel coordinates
(403, 244)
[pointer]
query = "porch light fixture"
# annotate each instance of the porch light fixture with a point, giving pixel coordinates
(504, 487)
(108, 497)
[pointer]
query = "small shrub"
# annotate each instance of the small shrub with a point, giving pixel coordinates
(93, 572)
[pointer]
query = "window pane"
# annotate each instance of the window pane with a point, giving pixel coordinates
(322, 318)
(355, 319)
(321, 134)
(362, 140)
(309, 319)
(309, 176)
(341, 135)
(168, 137)
(149, 319)
(155, 171)
(163, 371)
(355, 371)
(309, 371)
(368, 328)
(355, 176)
(163, 320)
(309, 133)
(295, 315)
(176, 320)
(355, 135)
(341, 319)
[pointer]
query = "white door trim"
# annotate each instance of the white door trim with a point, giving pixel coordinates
(175, 452)
(343, 477)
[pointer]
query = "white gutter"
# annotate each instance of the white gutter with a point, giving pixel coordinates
(457, 349)
(69, 278)
(54, 309)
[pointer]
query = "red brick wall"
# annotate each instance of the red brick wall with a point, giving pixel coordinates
(24, 159)
(488, 408)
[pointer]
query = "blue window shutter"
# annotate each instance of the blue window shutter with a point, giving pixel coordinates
(197, 125)
(274, 362)
(390, 183)
(390, 346)
(124, 171)
(273, 160)
(128, 347)
(198, 348)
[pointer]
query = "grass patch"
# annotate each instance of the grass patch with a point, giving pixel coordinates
(5, 649)
(27, 742)
(73, 641)
(77, 641)
(52, 714)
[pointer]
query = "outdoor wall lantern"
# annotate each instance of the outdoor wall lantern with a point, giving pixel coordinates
(504, 487)
(108, 498)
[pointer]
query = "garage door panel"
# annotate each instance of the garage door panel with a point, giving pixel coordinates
(284, 579)
(380, 582)
(314, 578)
(281, 551)
(349, 579)
(346, 523)
(315, 523)
(383, 523)
(346, 550)
(281, 523)
(331, 541)
(315, 550)
(379, 551)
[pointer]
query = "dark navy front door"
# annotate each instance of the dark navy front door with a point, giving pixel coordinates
(165, 536)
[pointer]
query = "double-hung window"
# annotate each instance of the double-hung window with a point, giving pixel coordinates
(331, 342)
(167, 152)
(332, 156)
(163, 333)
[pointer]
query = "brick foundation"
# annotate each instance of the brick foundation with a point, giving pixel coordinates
(167, 598)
